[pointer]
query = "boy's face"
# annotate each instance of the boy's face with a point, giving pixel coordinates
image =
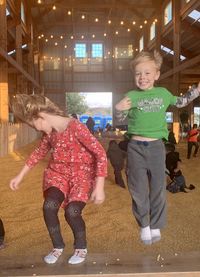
(146, 74)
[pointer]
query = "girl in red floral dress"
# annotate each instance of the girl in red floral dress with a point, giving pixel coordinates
(75, 172)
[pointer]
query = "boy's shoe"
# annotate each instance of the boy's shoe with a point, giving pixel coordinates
(78, 257)
(145, 235)
(155, 235)
(53, 256)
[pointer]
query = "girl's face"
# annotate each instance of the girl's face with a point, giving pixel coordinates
(146, 74)
(42, 124)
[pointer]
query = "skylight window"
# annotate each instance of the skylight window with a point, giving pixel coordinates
(195, 15)
(171, 52)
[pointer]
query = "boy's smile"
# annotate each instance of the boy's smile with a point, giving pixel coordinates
(146, 74)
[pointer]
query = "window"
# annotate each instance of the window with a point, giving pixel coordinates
(195, 15)
(80, 50)
(123, 52)
(22, 12)
(141, 44)
(168, 13)
(152, 30)
(97, 50)
(170, 51)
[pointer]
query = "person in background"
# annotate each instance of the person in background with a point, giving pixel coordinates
(192, 139)
(117, 160)
(75, 173)
(176, 181)
(74, 115)
(146, 108)
(171, 137)
(90, 124)
(2, 235)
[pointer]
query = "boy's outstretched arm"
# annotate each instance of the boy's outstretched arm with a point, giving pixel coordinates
(188, 97)
(121, 109)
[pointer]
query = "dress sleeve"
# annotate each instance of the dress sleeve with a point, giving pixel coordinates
(39, 153)
(93, 145)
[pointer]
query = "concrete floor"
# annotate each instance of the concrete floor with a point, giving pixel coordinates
(113, 243)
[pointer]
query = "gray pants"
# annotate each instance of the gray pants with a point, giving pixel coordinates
(147, 182)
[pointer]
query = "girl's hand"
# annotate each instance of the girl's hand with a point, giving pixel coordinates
(98, 194)
(14, 183)
(124, 104)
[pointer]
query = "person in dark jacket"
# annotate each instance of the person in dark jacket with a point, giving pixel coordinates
(90, 124)
(117, 160)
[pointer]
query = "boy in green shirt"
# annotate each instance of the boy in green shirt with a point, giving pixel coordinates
(145, 108)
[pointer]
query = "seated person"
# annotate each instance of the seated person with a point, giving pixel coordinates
(177, 180)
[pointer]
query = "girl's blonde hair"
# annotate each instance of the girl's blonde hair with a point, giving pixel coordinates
(27, 107)
(144, 56)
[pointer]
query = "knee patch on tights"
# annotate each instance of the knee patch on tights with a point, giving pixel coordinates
(74, 210)
(51, 205)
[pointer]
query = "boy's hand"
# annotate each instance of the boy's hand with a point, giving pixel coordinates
(124, 104)
(98, 194)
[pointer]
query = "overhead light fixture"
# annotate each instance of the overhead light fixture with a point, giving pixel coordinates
(69, 12)
(83, 16)
(54, 7)
(105, 34)
(122, 22)
(96, 20)
(109, 21)
(39, 2)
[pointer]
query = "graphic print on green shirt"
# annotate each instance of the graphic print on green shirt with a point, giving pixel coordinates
(147, 117)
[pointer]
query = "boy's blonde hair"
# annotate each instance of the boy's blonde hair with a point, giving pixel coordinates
(27, 107)
(145, 56)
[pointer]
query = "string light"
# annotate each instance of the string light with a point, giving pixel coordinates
(39, 2)
(54, 7)
(122, 22)
(96, 20)
(83, 16)
(109, 21)
(69, 12)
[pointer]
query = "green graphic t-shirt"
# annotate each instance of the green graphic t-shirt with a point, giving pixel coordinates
(147, 117)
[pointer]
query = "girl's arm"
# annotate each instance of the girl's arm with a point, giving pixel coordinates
(39, 153)
(188, 97)
(15, 182)
(94, 146)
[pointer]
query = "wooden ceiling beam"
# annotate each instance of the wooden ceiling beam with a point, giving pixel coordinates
(188, 28)
(19, 68)
(187, 64)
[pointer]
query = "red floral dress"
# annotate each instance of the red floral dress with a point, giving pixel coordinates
(76, 159)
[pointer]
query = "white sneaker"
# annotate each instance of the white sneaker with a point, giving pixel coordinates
(155, 235)
(53, 256)
(145, 235)
(78, 257)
